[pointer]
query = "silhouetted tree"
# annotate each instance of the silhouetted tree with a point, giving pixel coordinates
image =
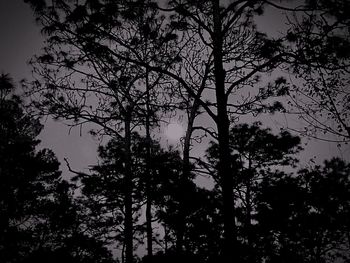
(185, 210)
(204, 225)
(204, 33)
(86, 83)
(216, 47)
(304, 217)
(39, 219)
(172, 190)
(63, 234)
(255, 153)
(319, 44)
(24, 173)
(209, 27)
(103, 190)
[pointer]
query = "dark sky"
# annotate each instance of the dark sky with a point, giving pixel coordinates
(20, 40)
(20, 37)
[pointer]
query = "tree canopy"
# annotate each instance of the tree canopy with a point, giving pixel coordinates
(126, 69)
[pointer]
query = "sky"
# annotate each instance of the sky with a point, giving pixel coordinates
(21, 39)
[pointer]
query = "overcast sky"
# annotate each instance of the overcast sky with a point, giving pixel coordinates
(20, 40)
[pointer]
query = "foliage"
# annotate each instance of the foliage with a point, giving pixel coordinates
(118, 64)
(256, 153)
(304, 217)
(319, 44)
(39, 219)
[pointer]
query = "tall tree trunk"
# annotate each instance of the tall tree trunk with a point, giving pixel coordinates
(248, 223)
(149, 229)
(184, 177)
(128, 221)
(222, 122)
(186, 170)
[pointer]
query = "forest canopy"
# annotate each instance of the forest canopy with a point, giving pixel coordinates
(127, 68)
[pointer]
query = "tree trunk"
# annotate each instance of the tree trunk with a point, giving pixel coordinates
(222, 122)
(149, 229)
(128, 221)
(185, 175)
(181, 220)
(248, 223)
(186, 170)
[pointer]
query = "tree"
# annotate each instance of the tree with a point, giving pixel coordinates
(62, 233)
(185, 211)
(39, 219)
(255, 154)
(21, 182)
(211, 44)
(214, 26)
(103, 189)
(319, 43)
(301, 217)
(85, 83)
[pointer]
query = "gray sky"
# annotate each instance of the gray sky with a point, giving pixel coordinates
(20, 40)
